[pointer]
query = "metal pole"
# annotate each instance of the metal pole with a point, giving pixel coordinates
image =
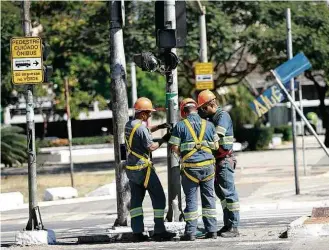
(120, 109)
(203, 35)
(300, 113)
(302, 126)
(30, 130)
(133, 84)
(174, 191)
(69, 127)
(293, 112)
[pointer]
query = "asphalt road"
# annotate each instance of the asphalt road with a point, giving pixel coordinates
(72, 220)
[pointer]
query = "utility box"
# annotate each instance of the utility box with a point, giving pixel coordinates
(166, 36)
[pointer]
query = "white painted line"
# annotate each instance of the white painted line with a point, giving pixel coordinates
(76, 217)
(262, 242)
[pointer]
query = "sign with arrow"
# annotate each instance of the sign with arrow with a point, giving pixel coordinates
(26, 60)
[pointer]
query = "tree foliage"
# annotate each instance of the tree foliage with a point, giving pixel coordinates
(13, 146)
(10, 27)
(241, 37)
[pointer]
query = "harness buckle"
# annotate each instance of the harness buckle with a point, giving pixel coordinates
(198, 145)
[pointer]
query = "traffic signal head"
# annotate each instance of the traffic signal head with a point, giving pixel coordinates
(166, 38)
(146, 61)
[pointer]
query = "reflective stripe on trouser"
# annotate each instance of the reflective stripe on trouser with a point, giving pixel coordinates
(137, 189)
(226, 192)
(208, 200)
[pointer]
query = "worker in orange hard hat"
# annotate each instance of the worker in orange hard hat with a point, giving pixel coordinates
(205, 96)
(188, 102)
(194, 139)
(225, 163)
(141, 173)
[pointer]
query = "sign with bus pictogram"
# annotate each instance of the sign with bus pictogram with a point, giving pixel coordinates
(26, 60)
(204, 76)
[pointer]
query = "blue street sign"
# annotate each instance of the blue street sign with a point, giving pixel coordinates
(267, 100)
(292, 68)
(270, 97)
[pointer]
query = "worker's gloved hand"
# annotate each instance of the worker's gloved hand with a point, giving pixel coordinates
(164, 125)
(166, 137)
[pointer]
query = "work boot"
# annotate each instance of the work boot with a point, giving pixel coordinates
(222, 230)
(140, 237)
(164, 236)
(232, 232)
(188, 237)
(211, 235)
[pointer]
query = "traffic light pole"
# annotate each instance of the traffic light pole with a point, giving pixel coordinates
(119, 108)
(34, 221)
(203, 33)
(174, 191)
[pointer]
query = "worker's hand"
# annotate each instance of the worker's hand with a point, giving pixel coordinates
(164, 125)
(166, 137)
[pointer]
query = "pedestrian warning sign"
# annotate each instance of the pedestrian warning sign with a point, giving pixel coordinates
(26, 60)
(204, 76)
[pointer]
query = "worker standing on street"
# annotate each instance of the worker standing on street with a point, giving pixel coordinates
(225, 163)
(141, 173)
(194, 139)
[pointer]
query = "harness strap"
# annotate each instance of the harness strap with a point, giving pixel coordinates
(147, 163)
(197, 141)
(198, 146)
(192, 178)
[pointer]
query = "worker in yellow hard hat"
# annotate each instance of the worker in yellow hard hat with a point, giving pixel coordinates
(141, 172)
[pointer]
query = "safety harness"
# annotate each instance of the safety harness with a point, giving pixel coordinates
(198, 146)
(147, 163)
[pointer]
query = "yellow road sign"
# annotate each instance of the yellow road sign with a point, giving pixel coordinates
(204, 76)
(26, 60)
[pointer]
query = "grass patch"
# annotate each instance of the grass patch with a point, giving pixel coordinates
(85, 182)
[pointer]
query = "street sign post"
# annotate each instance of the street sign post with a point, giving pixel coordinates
(277, 78)
(26, 60)
(204, 76)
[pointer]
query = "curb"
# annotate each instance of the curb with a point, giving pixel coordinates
(298, 229)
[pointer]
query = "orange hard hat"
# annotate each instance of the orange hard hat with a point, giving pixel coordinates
(143, 104)
(183, 105)
(205, 96)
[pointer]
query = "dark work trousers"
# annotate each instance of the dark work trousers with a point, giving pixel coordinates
(208, 199)
(155, 189)
(226, 192)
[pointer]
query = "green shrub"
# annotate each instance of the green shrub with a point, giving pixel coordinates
(286, 130)
(257, 138)
(75, 141)
(13, 146)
